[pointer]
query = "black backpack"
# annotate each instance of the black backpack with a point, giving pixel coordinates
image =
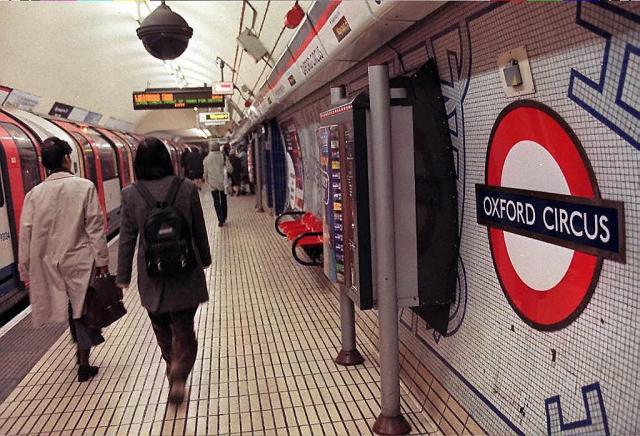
(166, 235)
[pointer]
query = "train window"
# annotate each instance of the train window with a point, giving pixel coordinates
(28, 156)
(107, 157)
(91, 159)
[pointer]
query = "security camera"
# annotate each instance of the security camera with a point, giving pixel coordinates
(164, 33)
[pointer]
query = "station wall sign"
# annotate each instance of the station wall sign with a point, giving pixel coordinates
(222, 88)
(213, 118)
(78, 114)
(93, 118)
(22, 100)
(549, 229)
(60, 110)
(176, 98)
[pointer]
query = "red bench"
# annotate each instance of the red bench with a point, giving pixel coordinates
(305, 231)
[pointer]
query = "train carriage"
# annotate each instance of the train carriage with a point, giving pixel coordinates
(20, 171)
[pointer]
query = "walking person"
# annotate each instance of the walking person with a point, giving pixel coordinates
(171, 299)
(235, 173)
(61, 240)
(184, 161)
(195, 166)
(199, 169)
(215, 165)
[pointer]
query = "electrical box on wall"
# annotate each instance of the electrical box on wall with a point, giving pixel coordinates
(514, 73)
(424, 198)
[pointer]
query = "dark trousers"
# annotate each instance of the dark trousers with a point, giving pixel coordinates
(177, 341)
(220, 204)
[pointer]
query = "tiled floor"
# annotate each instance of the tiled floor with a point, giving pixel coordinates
(266, 343)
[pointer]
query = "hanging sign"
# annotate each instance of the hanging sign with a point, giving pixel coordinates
(549, 228)
(213, 118)
(222, 88)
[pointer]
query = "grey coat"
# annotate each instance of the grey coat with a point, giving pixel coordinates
(160, 295)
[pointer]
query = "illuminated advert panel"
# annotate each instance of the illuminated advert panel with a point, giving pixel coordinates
(346, 222)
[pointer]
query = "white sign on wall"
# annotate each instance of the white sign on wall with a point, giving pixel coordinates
(222, 88)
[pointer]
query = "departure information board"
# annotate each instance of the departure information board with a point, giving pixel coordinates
(176, 98)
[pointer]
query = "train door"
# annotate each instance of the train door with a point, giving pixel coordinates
(108, 163)
(123, 153)
(9, 281)
(22, 165)
(132, 145)
(19, 173)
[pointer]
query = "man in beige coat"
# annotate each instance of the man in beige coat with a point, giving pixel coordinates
(214, 165)
(61, 238)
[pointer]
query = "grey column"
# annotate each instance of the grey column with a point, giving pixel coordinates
(390, 420)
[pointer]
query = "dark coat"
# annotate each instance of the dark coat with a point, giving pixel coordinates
(237, 168)
(159, 295)
(194, 167)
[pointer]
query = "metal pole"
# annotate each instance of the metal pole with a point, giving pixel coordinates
(390, 420)
(349, 354)
(258, 164)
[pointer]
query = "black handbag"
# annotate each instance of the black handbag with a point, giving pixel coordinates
(103, 303)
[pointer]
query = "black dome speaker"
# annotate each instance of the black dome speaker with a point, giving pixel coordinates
(164, 33)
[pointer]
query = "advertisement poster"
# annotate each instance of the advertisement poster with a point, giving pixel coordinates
(294, 165)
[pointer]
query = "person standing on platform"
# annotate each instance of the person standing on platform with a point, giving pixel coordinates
(235, 174)
(170, 300)
(215, 165)
(195, 166)
(244, 173)
(184, 161)
(61, 240)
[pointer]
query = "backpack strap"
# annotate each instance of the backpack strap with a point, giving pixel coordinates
(145, 194)
(173, 191)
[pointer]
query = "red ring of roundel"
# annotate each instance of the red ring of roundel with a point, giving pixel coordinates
(559, 306)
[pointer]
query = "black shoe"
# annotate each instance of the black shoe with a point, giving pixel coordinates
(176, 392)
(220, 224)
(86, 372)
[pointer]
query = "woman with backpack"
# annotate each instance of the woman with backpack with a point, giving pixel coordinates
(165, 211)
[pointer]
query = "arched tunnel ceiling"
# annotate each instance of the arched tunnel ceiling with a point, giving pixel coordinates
(87, 54)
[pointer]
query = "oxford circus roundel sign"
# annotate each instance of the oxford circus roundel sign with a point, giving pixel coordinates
(548, 227)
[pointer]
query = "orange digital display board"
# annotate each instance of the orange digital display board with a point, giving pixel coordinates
(176, 98)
